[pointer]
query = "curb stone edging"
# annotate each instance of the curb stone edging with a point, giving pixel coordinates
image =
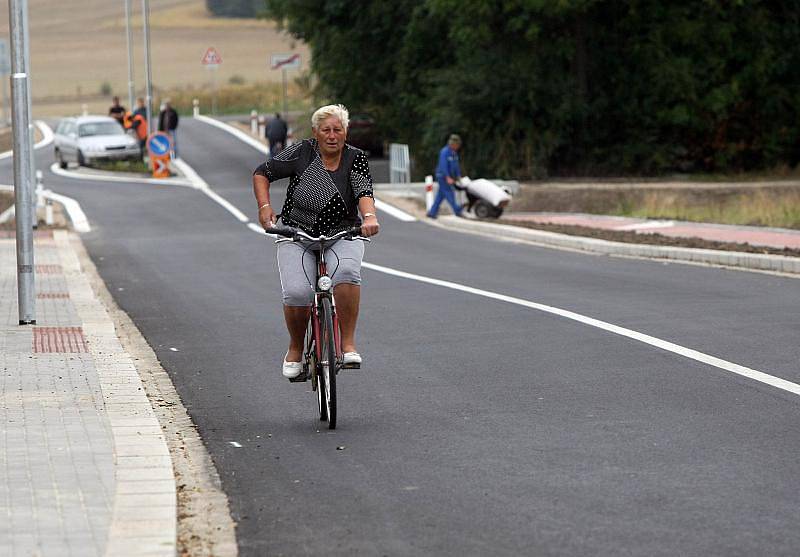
(204, 526)
(737, 259)
(141, 457)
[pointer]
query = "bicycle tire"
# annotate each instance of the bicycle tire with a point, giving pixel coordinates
(328, 360)
(314, 373)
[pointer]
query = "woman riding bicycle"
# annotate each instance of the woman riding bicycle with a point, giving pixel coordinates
(329, 185)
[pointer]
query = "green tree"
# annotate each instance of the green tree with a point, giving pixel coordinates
(566, 87)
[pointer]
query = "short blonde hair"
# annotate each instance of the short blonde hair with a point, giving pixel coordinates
(324, 112)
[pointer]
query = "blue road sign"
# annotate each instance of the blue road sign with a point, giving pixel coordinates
(159, 144)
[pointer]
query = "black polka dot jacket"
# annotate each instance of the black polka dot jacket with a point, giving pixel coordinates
(317, 200)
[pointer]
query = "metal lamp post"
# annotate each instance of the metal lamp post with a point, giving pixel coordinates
(130, 52)
(148, 75)
(23, 159)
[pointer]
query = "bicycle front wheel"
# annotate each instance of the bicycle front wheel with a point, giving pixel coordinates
(327, 380)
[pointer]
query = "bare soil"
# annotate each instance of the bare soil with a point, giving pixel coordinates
(9, 228)
(416, 207)
(653, 239)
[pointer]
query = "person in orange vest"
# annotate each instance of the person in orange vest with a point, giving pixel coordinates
(136, 121)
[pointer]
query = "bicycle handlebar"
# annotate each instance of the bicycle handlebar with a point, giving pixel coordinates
(295, 234)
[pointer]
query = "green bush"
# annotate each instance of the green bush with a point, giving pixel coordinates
(573, 87)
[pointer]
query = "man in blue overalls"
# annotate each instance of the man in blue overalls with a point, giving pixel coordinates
(447, 172)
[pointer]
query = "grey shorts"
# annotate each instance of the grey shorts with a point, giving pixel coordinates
(344, 266)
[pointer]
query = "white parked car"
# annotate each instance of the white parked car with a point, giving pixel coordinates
(86, 139)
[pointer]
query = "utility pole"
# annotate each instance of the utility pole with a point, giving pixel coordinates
(23, 155)
(32, 130)
(147, 71)
(131, 93)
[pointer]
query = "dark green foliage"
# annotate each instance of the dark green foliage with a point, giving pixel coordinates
(235, 8)
(567, 87)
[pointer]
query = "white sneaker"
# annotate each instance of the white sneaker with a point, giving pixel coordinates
(351, 360)
(291, 369)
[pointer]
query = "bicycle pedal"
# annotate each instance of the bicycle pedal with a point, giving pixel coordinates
(351, 366)
(300, 378)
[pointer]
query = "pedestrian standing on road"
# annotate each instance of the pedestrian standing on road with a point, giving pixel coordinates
(329, 184)
(168, 123)
(276, 133)
(137, 121)
(448, 172)
(117, 111)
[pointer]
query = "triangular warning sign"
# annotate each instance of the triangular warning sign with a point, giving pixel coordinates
(212, 57)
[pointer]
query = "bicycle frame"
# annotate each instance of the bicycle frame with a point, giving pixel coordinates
(322, 270)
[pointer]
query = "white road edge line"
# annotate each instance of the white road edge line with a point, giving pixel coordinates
(399, 214)
(47, 139)
(239, 134)
(72, 207)
(201, 185)
(760, 376)
(55, 169)
(256, 144)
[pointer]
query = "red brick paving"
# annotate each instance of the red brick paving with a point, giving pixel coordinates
(59, 339)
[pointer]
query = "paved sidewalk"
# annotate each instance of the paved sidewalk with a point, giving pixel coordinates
(753, 235)
(85, 467)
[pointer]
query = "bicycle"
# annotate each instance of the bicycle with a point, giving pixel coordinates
(322, 358)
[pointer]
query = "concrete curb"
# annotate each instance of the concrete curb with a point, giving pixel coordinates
(752, 261)
(144, 519)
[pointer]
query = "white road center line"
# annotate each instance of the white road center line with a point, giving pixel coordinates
(55, 169)
(756, 375)
(201, 185)
(393, 211)
(616, 329)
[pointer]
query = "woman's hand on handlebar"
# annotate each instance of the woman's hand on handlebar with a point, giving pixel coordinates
(266, 216)
(370, 226)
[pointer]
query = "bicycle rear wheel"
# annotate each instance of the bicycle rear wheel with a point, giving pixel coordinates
(327, 378)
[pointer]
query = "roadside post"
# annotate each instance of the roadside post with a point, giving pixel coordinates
(428, 193)
(285, 62)
(159, 146)
(195, 107)
(38, 198)
(23, 160)
(211, 60)
(262, 126)
(253, 122)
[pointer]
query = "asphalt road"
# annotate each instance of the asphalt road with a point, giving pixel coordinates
(476, 426)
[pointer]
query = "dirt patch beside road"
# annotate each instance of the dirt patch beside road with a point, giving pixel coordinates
(416, 208)
(653, 239)
(7, 200)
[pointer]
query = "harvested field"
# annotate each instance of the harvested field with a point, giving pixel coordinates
(76, 49)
